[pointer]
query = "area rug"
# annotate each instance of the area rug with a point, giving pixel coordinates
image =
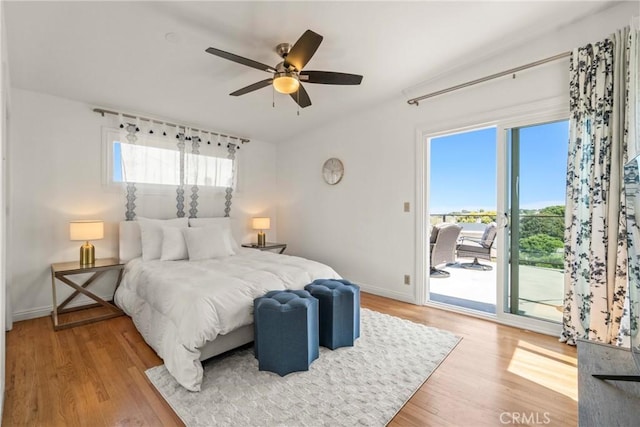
(366, 384)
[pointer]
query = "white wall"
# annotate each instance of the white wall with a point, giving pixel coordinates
(56, 176)
(359, 226)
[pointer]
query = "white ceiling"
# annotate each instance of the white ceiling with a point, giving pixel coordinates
(116, 54)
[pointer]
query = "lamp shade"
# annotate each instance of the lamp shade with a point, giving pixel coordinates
(261, 223)
(86, 230)
(286, 83)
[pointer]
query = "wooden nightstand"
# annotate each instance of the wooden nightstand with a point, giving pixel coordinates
(61, 270)
(267, 246)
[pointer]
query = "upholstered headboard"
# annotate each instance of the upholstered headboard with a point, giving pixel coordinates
(130, 242)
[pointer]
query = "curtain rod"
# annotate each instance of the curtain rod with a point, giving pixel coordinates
(131, 116)
(416, 101)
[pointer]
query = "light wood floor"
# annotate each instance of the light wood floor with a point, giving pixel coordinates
(93, 375)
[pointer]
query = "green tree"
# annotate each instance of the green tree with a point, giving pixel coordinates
(540, 244)
(553, 210)
(485, 217)
(549, 221)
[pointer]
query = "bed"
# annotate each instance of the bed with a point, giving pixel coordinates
(187, 310)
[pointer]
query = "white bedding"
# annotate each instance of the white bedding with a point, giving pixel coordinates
(178, 306)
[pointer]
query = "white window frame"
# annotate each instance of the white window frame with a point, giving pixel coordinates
(110, 134)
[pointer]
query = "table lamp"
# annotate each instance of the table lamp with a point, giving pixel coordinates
(261, 224)
(86, 230)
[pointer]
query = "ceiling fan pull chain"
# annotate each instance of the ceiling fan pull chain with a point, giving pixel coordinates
(273, 96)
(298, 95)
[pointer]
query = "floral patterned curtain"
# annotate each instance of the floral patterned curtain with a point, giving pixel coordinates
(595, 234)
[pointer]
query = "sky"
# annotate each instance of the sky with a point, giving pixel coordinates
(463, 169)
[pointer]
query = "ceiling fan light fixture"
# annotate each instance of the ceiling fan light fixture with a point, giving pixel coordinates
(285, 76)
(286, 82)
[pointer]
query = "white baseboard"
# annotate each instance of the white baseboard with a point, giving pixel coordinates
(541, 327)
(387, 293)
(34, 313)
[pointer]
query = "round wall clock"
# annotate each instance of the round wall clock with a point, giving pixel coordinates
(332, 171)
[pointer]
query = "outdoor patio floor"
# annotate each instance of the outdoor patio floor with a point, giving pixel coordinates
(541, 289)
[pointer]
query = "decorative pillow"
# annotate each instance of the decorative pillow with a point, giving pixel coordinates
(151, 235)
(173, 245)
(224, 222)
(207, 242)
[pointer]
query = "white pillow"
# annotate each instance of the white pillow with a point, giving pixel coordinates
(173, 245)
(224, 222)
(151, 235)
(207, 242)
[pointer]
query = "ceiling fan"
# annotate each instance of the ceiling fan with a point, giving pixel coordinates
(288, 74)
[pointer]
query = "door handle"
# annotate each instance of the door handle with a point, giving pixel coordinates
(506, 220)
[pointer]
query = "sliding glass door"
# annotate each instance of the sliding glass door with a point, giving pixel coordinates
(463, 192)
(504, 187)
(537, 157)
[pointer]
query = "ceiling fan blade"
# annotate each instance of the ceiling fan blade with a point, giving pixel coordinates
(303, 50)
(251, 88)
(240, 60)
(301, 97)
(330, 78)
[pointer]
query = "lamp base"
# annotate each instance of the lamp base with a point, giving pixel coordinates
(261, 239)
(87, 254)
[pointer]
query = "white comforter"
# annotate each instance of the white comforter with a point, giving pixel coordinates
(178, 306)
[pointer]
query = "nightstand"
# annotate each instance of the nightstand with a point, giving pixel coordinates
(62, 270)
(267, 246)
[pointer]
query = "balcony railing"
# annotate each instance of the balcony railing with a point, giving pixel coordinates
(540, 236)
(466, 218)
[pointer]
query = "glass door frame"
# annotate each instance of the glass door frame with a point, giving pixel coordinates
(504, 238)
(535, 113)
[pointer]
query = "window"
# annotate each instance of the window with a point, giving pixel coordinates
(157, 161)
(145, 165)
(208, 171)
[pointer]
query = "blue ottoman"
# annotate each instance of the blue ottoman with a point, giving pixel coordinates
(286, 331)
(339, 311)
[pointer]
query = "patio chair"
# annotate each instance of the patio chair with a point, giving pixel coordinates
(478, 248)
(443, 247)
